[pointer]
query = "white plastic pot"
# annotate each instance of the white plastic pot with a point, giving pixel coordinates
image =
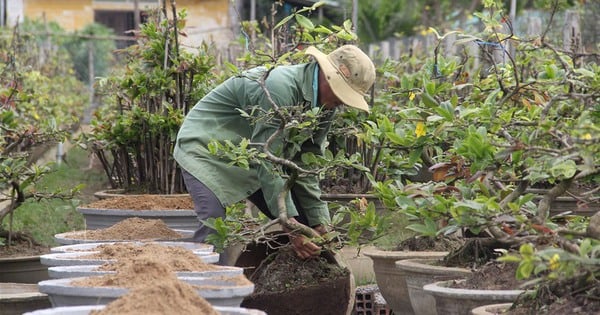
(217, 291)
(60, 272)
(199, 247)
(87, 309)
(74, 259)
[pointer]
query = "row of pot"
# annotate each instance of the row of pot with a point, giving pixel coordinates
(77, 260)
(414, 283)
(223, 287)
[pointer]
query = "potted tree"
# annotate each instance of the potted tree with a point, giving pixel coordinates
(26, 132)
(528, 122)
(132, 134)
(293, 123)
(32, 119)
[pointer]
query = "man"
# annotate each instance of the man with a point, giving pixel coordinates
(342, 77)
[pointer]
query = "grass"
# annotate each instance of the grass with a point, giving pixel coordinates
(43, 219)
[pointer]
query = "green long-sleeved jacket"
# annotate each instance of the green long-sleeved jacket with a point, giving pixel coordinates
(217, 117)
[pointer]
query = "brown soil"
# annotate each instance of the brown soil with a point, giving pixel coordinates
(177, 263)
(158, 299)
(119, 251)
(130, 229)
(143, 273)
(22, 248)
(492, 276)
(155, 289)
(500, 276)
(578, 296)
(275, 275)
(287, 285)
(446, 243)
(144, 202)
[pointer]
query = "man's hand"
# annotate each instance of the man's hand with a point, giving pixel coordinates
(303, 247)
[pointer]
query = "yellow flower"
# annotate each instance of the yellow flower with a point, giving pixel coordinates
(587, 136)
(411, 96)
(420, 129)
(554, 262)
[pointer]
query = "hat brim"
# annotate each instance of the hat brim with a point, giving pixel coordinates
(337, 82)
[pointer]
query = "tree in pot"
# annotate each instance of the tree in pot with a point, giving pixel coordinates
(133, 133)
(32, 120)
(294, 127)
(527, 122)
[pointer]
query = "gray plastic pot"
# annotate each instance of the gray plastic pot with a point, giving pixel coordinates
(449, 300)
(75, 259)
(217, 292)
(391, 280)
(419, 272)
(18, 298)
(491, 309)
(87, 309)
(68, 239)
(199, 247)
(185, 219)
(61, 272)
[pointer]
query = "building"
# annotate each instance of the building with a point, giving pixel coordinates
(207, 20)
(215, 21)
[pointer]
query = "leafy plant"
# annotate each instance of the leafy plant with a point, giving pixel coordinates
(36, 109)
(133, 134)
(511, 127)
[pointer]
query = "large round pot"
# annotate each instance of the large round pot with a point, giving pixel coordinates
(78, 237)
(176, 211)
(87, 309)
(18, 298)
(334, 295)
(113, 193)
(79, 258)
(491, 309)
(182, 219)
(60, 272)
(390, 279)
(449, 300)
(199, 247)
(25, 269)
(419, 272)
(217, 291)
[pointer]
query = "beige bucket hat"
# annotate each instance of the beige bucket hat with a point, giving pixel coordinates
(349, 72)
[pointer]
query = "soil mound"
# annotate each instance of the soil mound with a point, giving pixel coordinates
(144, 202)
(131, 229)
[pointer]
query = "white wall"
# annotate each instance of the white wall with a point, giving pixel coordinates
(14, 12)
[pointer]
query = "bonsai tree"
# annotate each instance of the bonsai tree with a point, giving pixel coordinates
(37, 109)
(133, 133)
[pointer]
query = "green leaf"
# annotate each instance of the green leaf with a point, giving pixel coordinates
(429, 101)
(526, 250)
(564, 169)
(305, 22)
(283, 21)
(445, 110)
(509, 259)
(524, 270)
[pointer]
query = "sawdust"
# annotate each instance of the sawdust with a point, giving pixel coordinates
(155, 289)
(144, 202)
(130, 229)
(122, 251)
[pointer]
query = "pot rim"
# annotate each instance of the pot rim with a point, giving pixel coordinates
(442, 288)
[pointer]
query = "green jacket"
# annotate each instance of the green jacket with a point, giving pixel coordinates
(217, 117)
